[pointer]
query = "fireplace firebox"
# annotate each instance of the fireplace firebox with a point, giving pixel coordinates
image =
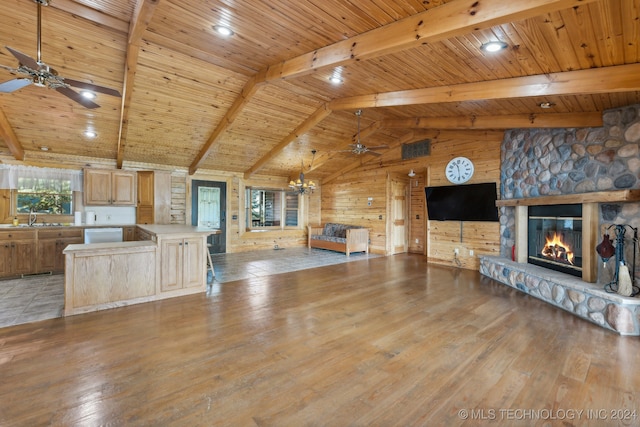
(555, 237)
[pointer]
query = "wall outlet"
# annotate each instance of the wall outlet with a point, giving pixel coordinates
(456, 251)
(471, 252)
(417, 240)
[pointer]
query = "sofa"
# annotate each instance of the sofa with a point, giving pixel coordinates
(339, 237)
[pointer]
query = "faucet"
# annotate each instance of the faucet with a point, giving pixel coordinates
(33, 217)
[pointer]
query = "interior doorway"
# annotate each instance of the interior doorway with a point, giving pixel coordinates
(397, 203)
(208, 209)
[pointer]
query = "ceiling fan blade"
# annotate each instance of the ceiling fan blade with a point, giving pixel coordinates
(372, 153)
(378, 147)
(13, 85)
(24, 59)
(77, 97)
(91, 87)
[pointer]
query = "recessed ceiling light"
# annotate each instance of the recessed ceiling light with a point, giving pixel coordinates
(90, 134)
(335, 80)
(547, 105)
(44, 148)
(87, 94)
(223, 31)
(494, 46)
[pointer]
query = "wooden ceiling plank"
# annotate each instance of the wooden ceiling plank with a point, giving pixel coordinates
(247, 92)
(559, 120)
(621, 78)
(10, 138)
(319, 115)
(452, 19)
(139, 23)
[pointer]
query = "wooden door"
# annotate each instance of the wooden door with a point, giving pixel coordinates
(24, 256)
(97, 187)
(47, 249)
(123, 188)
(145, 188)
(398, 221)
(193, 263)
(5, 258)
(128, 234)
(171, 267)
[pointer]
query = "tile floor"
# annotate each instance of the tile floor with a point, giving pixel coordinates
(36, 298)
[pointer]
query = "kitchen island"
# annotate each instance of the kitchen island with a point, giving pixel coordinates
(171, 263)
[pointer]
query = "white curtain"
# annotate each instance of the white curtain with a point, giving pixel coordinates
(9, 175)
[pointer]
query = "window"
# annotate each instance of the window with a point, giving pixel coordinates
(44, 196)
(271, 209)
(46, 191)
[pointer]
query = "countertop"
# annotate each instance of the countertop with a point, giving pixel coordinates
(166, 229)
(107, 246)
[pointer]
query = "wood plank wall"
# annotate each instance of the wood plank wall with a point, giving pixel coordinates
(345, 200)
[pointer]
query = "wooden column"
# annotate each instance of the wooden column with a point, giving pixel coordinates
(589, 242)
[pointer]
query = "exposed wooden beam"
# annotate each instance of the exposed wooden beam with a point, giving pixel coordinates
(245, 95)
(319, 115)
(138, 25)
(549, 120)
(10, 138)
(455, 18)
(90, 14)
(620, 78)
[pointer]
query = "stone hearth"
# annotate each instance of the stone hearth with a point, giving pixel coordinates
(586, 300)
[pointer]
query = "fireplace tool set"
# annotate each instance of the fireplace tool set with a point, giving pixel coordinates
(623, 281)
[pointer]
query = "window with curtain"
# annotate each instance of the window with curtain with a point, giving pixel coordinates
(41, 190)
(44, 196)
(271, 209)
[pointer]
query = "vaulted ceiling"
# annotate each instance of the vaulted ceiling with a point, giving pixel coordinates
(259, 101)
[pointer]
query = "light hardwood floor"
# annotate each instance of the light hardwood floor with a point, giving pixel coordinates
(388, 341)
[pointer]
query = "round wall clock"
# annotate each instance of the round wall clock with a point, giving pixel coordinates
(459, 170)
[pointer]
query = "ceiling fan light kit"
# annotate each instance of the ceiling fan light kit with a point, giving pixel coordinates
(359, 148)
(42, 75)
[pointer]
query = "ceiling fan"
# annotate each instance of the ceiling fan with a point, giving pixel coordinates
(41, 75)
(359, 148)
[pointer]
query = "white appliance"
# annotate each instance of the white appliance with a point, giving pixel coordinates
(103, 235)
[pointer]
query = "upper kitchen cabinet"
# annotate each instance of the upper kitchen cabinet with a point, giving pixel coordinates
(103, 187)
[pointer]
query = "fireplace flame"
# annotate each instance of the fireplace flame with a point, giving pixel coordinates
(557, 250)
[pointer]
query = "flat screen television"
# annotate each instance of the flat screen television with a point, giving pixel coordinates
(470, 202)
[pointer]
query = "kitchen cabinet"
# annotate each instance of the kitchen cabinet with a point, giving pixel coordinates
(143, 235)
(181, 263)
(51, 244)
(129, 234)
(154, 197)
(104, 187)
(17, 252)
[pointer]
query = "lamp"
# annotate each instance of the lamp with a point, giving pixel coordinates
(300, 185)
(411, 173)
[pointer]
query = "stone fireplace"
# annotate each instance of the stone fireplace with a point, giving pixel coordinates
(597, 169)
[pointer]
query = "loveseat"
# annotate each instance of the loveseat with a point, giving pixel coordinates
(339, 237)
